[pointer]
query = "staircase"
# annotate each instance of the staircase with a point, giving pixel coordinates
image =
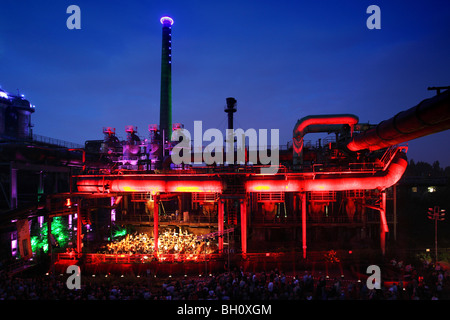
(232, 211)
(234, 191)
(234, 187)
(389, 155)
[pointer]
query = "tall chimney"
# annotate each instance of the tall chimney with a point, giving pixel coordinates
(230, 109)
(165, 111)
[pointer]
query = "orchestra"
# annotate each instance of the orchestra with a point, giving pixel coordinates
(169, 242)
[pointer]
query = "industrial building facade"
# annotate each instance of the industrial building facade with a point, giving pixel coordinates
(337, 193)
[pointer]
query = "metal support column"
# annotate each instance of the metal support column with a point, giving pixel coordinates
(395, 212)
(221, 204)
(384, 226)
(155, 222)
(244, 227)
(303, 199)
(79, 227)
(13, 177)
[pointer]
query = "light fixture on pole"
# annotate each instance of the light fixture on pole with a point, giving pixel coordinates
(436, 214)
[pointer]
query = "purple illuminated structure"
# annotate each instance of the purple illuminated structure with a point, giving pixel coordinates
(166, 19)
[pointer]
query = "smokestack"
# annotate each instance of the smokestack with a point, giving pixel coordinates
(165, 111)
(230, 109)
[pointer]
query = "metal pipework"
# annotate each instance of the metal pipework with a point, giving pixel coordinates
(331, 182)
(318, 123)
(429, 116)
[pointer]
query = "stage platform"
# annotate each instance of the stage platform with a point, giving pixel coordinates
(205, 264)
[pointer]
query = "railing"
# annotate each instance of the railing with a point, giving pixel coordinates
(290, 220)
(322, 195)
(321, 219)
(349, 168)
(279, 220)
(169, 217)
(363, 167)
(388, 156)
(236, 168)
(44, 139)
(135, 258)
(56, 142)
(20, 265)
(318, 168)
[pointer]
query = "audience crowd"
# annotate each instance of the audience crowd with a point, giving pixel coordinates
(431, 283)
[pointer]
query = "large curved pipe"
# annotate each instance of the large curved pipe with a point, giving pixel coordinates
(317, 123)
(429, 116)
(334, 182)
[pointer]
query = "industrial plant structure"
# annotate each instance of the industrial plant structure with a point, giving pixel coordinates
(336, 193)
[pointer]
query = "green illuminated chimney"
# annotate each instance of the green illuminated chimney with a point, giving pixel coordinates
(165, 111)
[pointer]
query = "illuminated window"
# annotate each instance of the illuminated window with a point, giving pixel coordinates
(432, 189)
(414, 189)
(14, 249)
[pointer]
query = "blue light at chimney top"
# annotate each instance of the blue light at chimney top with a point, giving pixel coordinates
(163, 19)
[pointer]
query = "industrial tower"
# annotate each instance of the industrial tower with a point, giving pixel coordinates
(165, 113)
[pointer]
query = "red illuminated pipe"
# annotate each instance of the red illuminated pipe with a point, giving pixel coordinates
(429, 116)
(333, 182)
(146, 183)
(317, 123)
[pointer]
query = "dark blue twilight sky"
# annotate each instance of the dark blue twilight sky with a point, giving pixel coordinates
(281, 60)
